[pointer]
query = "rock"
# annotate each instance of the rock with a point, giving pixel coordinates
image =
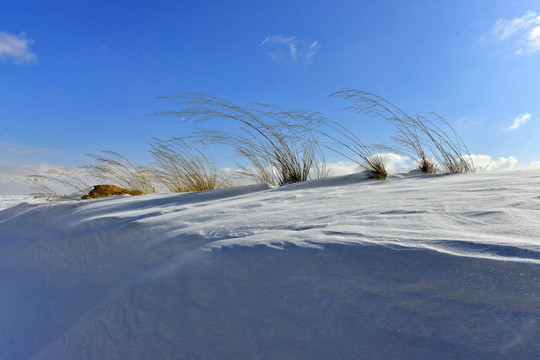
(100, 191)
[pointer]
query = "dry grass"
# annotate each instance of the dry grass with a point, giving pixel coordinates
(417, 137)
(111, 167)
(73, 180)
(295, 159)
(348, 145)
(447, 146)
(427, 165)
(181, 168)
(279, 145)
(376, 168)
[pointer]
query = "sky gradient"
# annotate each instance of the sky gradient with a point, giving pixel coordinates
(81, 77)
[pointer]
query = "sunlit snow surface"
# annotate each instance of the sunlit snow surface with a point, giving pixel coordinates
(7, 201)
(416, 267)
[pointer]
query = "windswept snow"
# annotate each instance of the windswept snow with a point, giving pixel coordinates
(416, 267)
(7, 201)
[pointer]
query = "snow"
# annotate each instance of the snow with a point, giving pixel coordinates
(415, 267)
(7, 201)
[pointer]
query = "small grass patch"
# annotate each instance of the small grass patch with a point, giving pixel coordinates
(182, 168)
(111, 167)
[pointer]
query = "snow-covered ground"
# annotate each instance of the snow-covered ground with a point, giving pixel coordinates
(416, 267)
(7, 201)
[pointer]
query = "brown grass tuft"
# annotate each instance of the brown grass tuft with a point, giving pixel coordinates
(182, 168)
(426, 165)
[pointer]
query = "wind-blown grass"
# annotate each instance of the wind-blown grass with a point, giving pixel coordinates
(116, 169)
(432, 144)
(74, 180)
(280, 146)
(182, 168)
(109, 167)
(348, 145)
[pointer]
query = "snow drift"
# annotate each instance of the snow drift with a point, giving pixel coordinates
(417, 267)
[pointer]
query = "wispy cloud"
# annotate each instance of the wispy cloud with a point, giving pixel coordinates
(518, 121)
(18, 149)
(21, 151)
(525, 30)
(290, 48)
(466, 120)
(16, 47)
(13, 177)
(311, 51)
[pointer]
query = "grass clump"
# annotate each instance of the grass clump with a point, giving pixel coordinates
(348, 145)
(375, 167)
(426, 165)
(182, 168)
(111, 167)
(279, 145)
(432, 143)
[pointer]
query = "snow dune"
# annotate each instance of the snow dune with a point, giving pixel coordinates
(7, 201)
(416, 267)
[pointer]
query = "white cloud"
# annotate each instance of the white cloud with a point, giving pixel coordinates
(16, 47)
(534, 38)
(525, 30)
(485, 162)
(460, 121)
(344, 168)
(535, 164)
(518, 121)
(394, 163)
(311, 51)
(466, 120)
(290, 48)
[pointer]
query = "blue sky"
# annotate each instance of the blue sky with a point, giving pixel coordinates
(81, 77)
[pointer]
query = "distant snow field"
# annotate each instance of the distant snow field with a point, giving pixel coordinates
(415, 267)
(7, 201)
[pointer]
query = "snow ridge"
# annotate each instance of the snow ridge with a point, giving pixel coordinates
(439, 267)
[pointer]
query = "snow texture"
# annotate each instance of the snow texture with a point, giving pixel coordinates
(416, 267)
